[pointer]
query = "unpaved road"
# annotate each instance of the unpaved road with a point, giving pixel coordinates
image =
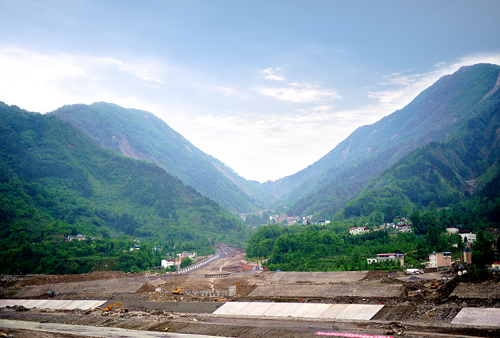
(62, 330)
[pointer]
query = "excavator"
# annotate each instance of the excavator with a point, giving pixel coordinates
(178, 291)
(109, 308)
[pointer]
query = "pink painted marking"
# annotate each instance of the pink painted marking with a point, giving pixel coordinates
(355, 335)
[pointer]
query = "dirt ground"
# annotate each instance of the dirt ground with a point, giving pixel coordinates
(421, 308)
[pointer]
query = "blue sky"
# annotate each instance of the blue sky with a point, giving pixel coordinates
(268, 87)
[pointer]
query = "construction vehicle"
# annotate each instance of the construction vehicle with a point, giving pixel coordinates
(109, 308)
(434, 285)
(178, 291)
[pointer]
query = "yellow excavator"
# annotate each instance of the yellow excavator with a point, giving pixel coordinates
(109, 308)
(178, 291)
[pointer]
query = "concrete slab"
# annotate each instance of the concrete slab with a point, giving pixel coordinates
(260, 309)
(225, 309)
(302, 310)
(368, 311)
(317, 310)
(247, 309)
(333, 311)
(274, 309)
(54, 304)
(467, 316)
(42, 304)
(6, 302)
(350, 311)
(490, 317)
(62, 304)
(288, 310)
(237, 307)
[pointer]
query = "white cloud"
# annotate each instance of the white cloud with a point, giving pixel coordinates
(406, 87)
(147, 71)
(269, 73)
(43, 82)
(283, 144)
(298, 92)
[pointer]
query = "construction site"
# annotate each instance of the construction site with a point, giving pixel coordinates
(228, 297)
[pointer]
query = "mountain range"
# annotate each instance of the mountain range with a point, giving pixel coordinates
(117, 174)
(328, 184)
(434, 115)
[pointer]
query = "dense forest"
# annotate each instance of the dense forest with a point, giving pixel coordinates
(55, 181)
(442, 173)
(142, 135)
(331, 247)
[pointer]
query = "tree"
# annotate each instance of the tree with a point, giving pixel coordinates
(482, 250)
(186, 262)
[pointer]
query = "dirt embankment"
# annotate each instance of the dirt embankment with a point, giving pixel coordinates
(53, 279)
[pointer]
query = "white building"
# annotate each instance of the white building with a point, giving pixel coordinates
(469, 235)
(358, 230)
(167, 263)
(404, 228)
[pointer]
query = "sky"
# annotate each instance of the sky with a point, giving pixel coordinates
(267, 87)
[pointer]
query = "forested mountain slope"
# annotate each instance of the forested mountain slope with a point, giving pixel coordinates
(444, 173)
(54, 179)
(432, 116)
(141, 135)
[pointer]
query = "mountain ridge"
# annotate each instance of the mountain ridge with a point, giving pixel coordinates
(432, 116)
(142, 135)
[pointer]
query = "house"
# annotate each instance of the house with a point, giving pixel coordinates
(358, 230)
(135, 247)
(185, 254)
(451, 230)
(166, 263)
(387, 226)
(79, 237)
(386, 256)
(157, 248)
(465, 234)
(324, 222)
(439, 260)
(403, 228)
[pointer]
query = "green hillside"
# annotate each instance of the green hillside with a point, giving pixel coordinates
(54, 181)
(141, 135)
(444, 173)
(433, 115)
(450, 183)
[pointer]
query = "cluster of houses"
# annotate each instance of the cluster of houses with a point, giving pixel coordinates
(166, 263)
(467, 236)
(436, 260)
(78, 237)
(400, 227)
